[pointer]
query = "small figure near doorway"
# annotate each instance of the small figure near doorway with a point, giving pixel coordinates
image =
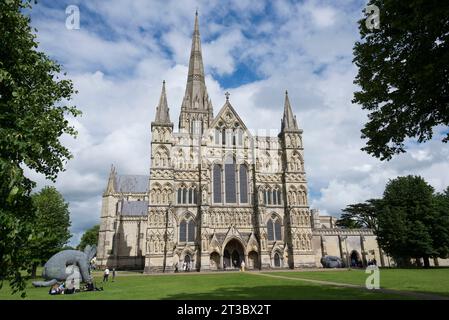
(224, 265)
(242, 266)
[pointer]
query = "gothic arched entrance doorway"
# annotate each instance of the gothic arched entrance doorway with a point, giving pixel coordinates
(214, 261)
(187, 264)
(233, 254)
(277, 260)
(356, 262)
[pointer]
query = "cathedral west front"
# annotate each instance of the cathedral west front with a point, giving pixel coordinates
(217, 195)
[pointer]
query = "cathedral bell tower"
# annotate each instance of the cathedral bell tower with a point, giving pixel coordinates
(297, 214)
(159, 235)
(196, 109)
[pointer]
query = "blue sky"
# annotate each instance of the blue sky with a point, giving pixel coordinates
(255, 50)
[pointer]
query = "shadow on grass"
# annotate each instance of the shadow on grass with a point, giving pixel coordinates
(287, 292)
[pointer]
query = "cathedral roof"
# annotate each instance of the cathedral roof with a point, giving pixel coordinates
(132, 183)
(134, 208)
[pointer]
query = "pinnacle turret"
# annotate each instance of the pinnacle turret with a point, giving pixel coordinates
(162, 111)
(110, 188)
(289, 120)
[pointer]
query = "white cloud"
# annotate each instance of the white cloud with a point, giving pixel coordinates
(421, 155)
(340, 193)
(118, 62)
(323, 16)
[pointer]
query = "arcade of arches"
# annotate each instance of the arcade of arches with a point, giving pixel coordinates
(232, 256)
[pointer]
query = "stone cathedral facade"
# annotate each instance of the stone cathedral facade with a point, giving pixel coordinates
(216, 195)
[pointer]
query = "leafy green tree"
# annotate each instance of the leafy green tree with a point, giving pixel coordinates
(406, 222)
(90, 237)
(34, 102)
(403, 73)
(360, 215)
(50, 227)
(440, 229)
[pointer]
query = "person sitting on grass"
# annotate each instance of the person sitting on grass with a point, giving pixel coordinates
(55, 289)
(90, 286)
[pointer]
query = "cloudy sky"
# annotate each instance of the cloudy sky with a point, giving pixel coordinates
(253, 49)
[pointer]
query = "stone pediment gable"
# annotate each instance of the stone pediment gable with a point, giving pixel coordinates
(277, 246)
(215, 243)
(219, 237)
(228, 116)
(234, 233)
(252, 238)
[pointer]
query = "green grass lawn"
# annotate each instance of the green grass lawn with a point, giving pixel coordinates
(236, 285)
(434, 281)
(232, 285)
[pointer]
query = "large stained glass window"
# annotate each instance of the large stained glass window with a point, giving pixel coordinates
(183, 231)
(191, 233)
(274, 229)
(217, 183)
(230, 183)
(243, 177)
(187, 231)
(277, 230)
(270, 230)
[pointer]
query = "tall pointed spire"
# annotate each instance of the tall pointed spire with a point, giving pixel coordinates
(196, 87)
(289, 120)
(162, 111)
(196, 97)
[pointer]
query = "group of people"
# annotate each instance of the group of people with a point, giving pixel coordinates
(359, 264)
(106, 275)
(372, 262)
(241, 268)
(63, 288)
(69, 288)
(186, 266)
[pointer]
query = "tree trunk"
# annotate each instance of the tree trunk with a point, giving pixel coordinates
(436, 262)
(426, 262)
(33, 270)
(418, 262)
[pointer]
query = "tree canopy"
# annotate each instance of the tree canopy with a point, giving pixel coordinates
(410, 221)
(34, 103)
(360, 215)
(403, 74)
(50, 227)
(90, 237)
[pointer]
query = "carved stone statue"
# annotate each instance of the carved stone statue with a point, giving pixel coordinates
(60, 265)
